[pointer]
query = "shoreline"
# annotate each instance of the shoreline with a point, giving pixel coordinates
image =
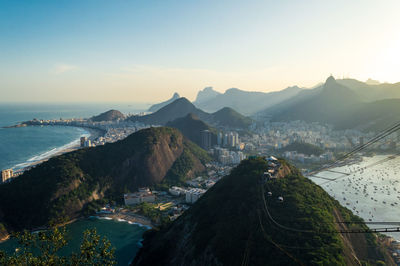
(74, 145)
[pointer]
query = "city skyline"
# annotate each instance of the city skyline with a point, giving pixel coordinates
(135, 51)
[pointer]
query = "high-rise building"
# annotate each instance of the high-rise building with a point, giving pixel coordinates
(6, 175)
(225, 141)
(206, 139)
(83, 140)
(219, 138)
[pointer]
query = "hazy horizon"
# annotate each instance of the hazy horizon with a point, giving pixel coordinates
(102, 51)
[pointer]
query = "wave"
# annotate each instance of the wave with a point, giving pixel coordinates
(48, 154)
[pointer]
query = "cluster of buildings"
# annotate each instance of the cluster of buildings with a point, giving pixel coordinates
(300, 157)
(191, 194)
(227, 157)
(143, 195)
(113, 130)
(228, 140)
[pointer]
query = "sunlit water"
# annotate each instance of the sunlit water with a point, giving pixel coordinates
(372, 193)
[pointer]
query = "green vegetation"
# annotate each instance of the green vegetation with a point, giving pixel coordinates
(191, 127)
(227, 117)
(180, 170)
(151, 211)
(43, 249)
(303, 147)
(110, 115)
(230, 225)
(74, 184)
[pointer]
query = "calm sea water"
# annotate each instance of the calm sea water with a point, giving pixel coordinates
(372, 193)
(125, 237)
(21, 145)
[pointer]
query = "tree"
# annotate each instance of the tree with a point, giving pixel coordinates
(42, 249)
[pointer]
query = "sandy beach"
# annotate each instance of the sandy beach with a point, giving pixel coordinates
(128, 216)
(92, 134)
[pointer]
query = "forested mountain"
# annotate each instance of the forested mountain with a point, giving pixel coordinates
(110, 115)
(336, 104)
(232, 225)
(191, 127)
(64, 186)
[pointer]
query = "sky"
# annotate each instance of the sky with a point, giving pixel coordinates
(144, 51)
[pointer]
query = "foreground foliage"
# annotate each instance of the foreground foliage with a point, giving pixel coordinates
(43, 249)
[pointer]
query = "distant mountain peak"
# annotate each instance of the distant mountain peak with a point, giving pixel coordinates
(330, 80)
(206, 94)
(158, 106)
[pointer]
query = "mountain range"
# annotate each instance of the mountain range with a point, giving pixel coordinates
(339, 105)
(236, 222)
(226, 117)
(65, 186)
(245, 102)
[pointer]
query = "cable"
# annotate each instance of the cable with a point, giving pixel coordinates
(378, 137)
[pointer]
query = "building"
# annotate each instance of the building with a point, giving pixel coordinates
(83, 140)
(194, 194)
(177, 191)
(87, 143)
(219, 139)
(206, 139)
(6, 175)
(144, 195)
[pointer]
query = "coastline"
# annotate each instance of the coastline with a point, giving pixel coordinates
(90, 133)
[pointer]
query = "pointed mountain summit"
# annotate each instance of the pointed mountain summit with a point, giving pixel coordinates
(227, 117)
(330, 103)
(158, 106)
(191, 127)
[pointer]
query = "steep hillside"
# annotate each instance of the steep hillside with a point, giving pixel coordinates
(191, 127)
(373, 91)
(178, 108)
(110, 115)
(246, 102)
(63, 186)
(374, 116)
(231, 225)
(227, 117)
(331, 105)
(158, 106)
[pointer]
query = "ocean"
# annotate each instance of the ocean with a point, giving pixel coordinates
(124, 236)
(21, 146)
(371, 191)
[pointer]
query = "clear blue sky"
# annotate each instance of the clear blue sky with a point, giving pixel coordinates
(102, 50)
